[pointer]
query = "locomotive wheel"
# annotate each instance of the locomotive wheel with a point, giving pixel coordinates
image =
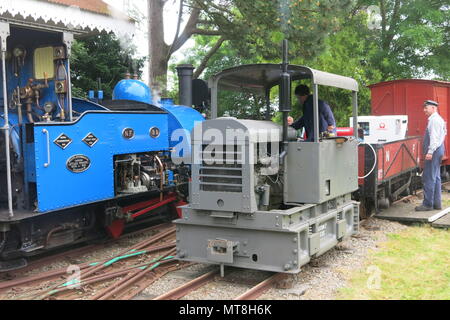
(384, 203)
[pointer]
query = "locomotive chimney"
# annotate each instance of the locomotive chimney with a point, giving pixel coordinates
(185, 73)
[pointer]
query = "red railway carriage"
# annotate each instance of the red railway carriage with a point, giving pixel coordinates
(392, 173)
(406, 97)
(398, 162)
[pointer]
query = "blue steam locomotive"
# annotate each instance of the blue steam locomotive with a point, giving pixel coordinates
(72, 170)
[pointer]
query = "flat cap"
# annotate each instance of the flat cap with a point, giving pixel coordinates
(430, 102)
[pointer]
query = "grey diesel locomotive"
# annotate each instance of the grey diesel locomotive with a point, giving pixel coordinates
(259, 197)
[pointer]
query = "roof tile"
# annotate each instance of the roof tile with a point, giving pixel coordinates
(97, 6)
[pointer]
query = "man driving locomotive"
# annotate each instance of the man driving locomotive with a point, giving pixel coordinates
(327, 123)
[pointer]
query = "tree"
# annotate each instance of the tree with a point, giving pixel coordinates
(413, 38)
(346, 53)
(418, 48)
(101, 56)
(254, 28)
(236, 104)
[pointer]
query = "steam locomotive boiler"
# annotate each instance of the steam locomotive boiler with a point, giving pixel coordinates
(72, 170)
(259, 197)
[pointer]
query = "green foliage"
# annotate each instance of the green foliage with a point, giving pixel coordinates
(254, 26)
(413, 38)
(347, 55)
(235, 104)
(101, 56)
(411, 41)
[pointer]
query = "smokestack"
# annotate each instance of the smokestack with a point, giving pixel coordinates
(185, 73)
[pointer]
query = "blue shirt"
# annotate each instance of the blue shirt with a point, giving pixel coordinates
(326, 118)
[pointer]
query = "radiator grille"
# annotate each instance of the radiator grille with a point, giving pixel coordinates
(221, 169)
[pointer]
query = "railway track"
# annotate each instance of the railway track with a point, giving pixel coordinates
(256, 290)
(122, 276)
(119, 277)
(252, 293)
(35, 263)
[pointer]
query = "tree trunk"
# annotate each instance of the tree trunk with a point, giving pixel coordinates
(158, 49)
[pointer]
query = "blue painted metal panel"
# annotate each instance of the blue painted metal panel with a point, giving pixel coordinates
(58, 188)
(82, 105)
(182, 120)
(129, 89)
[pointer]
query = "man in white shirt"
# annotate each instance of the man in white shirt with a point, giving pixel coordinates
(433, 149)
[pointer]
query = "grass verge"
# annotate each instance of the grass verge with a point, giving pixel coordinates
(413, 264)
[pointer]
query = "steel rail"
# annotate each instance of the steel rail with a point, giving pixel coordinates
(160, 273)
(94, 269)
(76, 252)
(262, 287)
(105, 276)
(112, 274)
(55, 273)
(155, 238)
(185, 289)
(131, 278)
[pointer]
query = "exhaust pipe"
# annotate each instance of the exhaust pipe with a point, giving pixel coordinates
(285, 93)
(185, 73)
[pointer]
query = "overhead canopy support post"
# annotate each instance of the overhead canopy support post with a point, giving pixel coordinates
(285, 92)
(316, 112)
(4, 34)
(68, 40)
(214, 88)
(355, 113)
(268, 104)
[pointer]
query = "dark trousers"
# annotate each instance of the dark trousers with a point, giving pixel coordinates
(431, 179)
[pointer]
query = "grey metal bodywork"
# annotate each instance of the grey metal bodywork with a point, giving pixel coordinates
(320, 171)
(224, 223)
(228, 184)
(277, 240)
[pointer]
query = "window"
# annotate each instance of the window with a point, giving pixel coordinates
(43, 63)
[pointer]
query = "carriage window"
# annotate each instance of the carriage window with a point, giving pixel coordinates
(43, 63)
(366, 127)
